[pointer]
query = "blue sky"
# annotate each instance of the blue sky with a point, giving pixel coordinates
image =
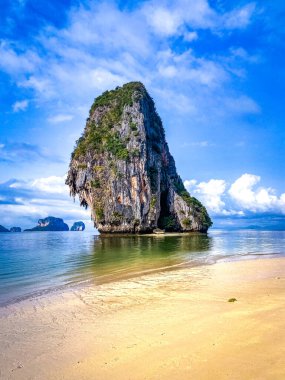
(214, 68)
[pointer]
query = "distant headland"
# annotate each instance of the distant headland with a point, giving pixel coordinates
(48, 224)
(122, 169)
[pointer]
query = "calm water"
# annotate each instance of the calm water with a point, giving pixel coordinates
(36, 262)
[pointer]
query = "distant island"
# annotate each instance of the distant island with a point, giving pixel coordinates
(78, 226)
(122, 169)
(3, 229)
(15, 229)
(48, 224)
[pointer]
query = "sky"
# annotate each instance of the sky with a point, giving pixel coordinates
(214, 68)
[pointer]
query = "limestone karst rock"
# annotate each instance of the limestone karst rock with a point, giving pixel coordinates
(50, 224)
(121, 168)
(78, 226)
(3, 229)
(15, 229)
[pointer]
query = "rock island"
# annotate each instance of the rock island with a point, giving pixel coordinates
(121, 168)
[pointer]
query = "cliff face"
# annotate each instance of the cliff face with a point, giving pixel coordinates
(122, 169)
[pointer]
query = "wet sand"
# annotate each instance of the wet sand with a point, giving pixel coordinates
(172, 325)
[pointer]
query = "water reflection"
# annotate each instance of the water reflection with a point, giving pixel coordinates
(116, 257)
(35, 262)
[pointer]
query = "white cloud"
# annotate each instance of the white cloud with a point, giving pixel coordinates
(20, 105)
(190, 184)
(172, 18)
(187, 68)
(43, 87)
(210, 193)
(239, 198)
(206, 72)
(169, 18)
(164, 21)
(103, 46)
(179, 102)
(52, 185)
(14, 62)
(190, 36)
(244, 192)
(168, 71)
(239, 18)
(60, 118)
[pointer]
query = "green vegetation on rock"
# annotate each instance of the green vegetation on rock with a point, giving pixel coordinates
(82, 166)
(153, 202)
(95, 183)
(119, 98)
(187, 222)
(102, 137)
(133, 126)
(168, 223)
(195, 205)
(99, 214)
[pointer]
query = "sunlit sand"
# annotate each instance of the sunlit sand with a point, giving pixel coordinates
(171, 325)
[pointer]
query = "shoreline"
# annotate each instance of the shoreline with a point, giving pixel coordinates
(86, 283)
(171, 325)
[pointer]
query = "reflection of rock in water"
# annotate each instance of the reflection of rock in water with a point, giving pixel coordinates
(113, 258)
(152, 246)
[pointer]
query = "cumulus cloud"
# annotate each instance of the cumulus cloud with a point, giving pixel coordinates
(172, 18)
(246, 194)
(212, 192)
(240, 198)
(51, 185)
(20, 105)
(163, 21)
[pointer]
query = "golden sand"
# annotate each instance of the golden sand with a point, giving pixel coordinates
(171, 325)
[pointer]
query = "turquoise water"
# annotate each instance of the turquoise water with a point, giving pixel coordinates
(37, 262)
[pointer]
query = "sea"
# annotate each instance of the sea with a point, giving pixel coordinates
(35, 263)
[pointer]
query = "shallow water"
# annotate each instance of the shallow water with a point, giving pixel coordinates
(36, 262)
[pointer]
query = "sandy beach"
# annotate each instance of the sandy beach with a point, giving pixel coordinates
(170, 325)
